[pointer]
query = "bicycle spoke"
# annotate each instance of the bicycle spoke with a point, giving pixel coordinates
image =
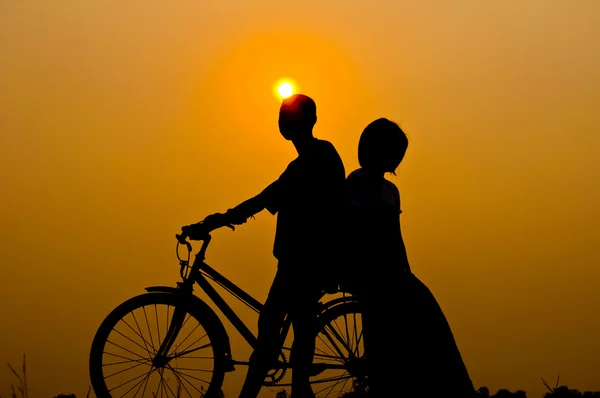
(140, 384)
(344, 376)
(166, 384)
(148, 326)
(179, 382)
(193, 357)
(143, 383)
(163, 383)
(333, 343)
(327, 344)
(139, 345)
(183, 378)
(188, 317)
(140, 334)
(343, 385)
(339, 337)
(331, 388)
(357, 338)
(157, 326)
(145, 360)
(125, 349)
(347, 332)
(330, 343)
(167, 319)
(348, 340)
(191, 377)
(158, 387)
(124, 370)
(187, 351)
(127, 382)
(194, 370)
(186, 337)
(325, 356)
(147, 379)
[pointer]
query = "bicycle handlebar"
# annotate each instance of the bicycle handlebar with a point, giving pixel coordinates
(182, 238)
(202, 232)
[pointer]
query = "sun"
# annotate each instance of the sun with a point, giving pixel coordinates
(285, 89)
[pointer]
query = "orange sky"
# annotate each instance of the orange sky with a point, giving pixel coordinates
(122, 121)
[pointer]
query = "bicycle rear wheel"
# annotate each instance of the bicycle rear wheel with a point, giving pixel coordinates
(339, 361)
(124, 361)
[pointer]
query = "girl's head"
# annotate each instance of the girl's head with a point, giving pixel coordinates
(382, 146)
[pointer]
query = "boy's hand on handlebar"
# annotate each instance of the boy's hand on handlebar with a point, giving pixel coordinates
(199, 231)
(235, 217)
(195, 231)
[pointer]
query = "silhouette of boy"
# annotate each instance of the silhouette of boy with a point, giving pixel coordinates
(423, 358)
(307, 198)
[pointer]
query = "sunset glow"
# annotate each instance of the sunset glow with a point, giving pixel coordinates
(121, 122)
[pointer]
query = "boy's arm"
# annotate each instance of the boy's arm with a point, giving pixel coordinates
(270, 198)
(248, 208)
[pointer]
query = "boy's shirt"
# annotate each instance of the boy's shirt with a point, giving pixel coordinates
(308, 198)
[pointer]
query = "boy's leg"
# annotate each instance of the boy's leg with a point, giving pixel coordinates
(304, 313)
(267, 346)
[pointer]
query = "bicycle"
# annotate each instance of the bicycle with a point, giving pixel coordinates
(338, 366)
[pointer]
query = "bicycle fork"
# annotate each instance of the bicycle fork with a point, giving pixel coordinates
(162, 358)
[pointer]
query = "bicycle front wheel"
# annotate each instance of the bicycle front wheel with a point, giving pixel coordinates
(126, 357)
(339, 362)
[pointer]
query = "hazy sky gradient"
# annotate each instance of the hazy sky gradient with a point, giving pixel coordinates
(121, 121)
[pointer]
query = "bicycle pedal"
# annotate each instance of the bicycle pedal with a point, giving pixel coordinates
(229, 365)
(229, 368)
(316, 369)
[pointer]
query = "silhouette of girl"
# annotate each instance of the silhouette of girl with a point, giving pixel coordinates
(409, 345)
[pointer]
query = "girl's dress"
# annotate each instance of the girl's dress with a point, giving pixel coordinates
(409, 345)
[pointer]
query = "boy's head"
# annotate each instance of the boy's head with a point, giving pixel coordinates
(382, 146)
(297, 116)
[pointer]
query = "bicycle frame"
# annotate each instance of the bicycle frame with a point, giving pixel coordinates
(200, 273)
(200, 277)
